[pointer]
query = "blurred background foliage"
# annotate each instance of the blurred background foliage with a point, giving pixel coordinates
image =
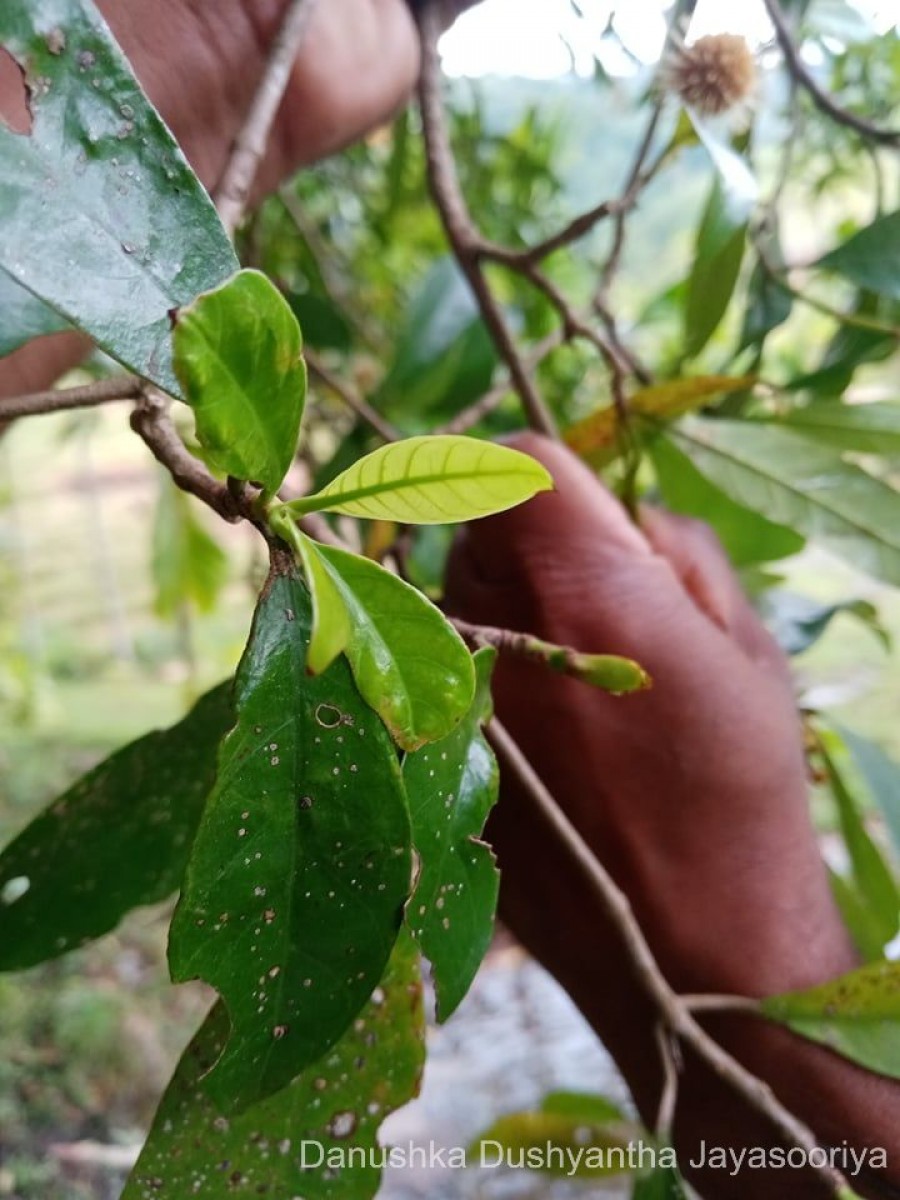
(120, 601)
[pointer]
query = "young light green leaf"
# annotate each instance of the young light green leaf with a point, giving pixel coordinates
(409, 663)
(293, 894)
(100, 215)
(869, 258)
(715, 270)
(430, 481)
(237, 353)
(188, 564)
(857, 1016)
(280, 1147)
(452, 787)
(801, 485)
(118, 838)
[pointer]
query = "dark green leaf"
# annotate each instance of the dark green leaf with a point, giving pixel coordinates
(869, 258)
(238, 357)
(324, 325)
(747, 535)
(197, 1148)
(118, 838)
(294, 891)
(410, 665)
(801, 485)
(867, 428)
(881, 775)
(452, 786)
(851, 347)
(23, 316)
(663, 1184)
(717, 262)
(188, 564)
(857, 1016)
(797, 622)
(100, 215)
(768, 306)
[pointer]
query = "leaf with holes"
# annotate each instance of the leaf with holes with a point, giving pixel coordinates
(452, 786)
(238, 357)
(118, 838)
(410, 665)
(293, 895)
(101, 217)
(430, 481)
(857, 1016)
(197, 1148)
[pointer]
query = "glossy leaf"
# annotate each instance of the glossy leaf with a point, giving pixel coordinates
(867, 428)
(748, 536)
(597, 432)
(293, 894)
(198, 1148)
(881, 776)
(869, 258)
(717, 263)
(23, 316)
(188, 564)
(100, 215)
(238, 357)
(430, 481)
(857, 1016)
(797, 622)
(452, 786)
(118, 838)
(409, 664)
(800, 485)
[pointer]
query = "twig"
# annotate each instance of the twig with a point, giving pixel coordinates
(104, 391)
(451, 205)
(671, 1061)
(721, 1004)
(671, 1009)
(150, 420)
(491, 399)
(250, 145)
(823, 100)
(351, 398)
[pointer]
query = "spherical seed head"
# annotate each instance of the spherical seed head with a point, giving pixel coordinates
(713, 74)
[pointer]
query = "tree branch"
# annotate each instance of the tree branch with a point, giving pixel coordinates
(823, 100)
(250, 145)
(350, 397)
(491, 399)
(674, 1015)
(104, 391)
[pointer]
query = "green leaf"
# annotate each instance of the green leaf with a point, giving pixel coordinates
(118, 838)
(430, 481)
(100, 215)
(872, 877)
(797, 622)
(748, 536)
(23, 316)
(857, 1016)
(197, 1148)
(410, 665)
(324, 325)
(664, 1183)
(869, 258)
(769, 305)
(863, 925)
(881, 775)
(188, 564)
(452, 786)
(293, 894)
(238, 357)
(717, 263)
(800, 485)
(866, 428)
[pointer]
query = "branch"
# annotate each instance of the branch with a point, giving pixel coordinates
(673, 1013)
(351, 398)
(823, 100)
(461, 233)
(250, 145)
(150, 420)
(491, 399)
(121, 387)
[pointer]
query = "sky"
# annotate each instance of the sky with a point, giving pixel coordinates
(523, 37)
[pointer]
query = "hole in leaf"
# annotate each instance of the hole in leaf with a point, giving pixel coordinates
(15, 107)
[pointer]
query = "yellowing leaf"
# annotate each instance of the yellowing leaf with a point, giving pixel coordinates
(431, 481)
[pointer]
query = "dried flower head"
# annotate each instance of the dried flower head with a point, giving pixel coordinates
(714, 74)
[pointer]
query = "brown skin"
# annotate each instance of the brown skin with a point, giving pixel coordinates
(693, 794)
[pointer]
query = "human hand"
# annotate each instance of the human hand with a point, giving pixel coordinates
(693, 795)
